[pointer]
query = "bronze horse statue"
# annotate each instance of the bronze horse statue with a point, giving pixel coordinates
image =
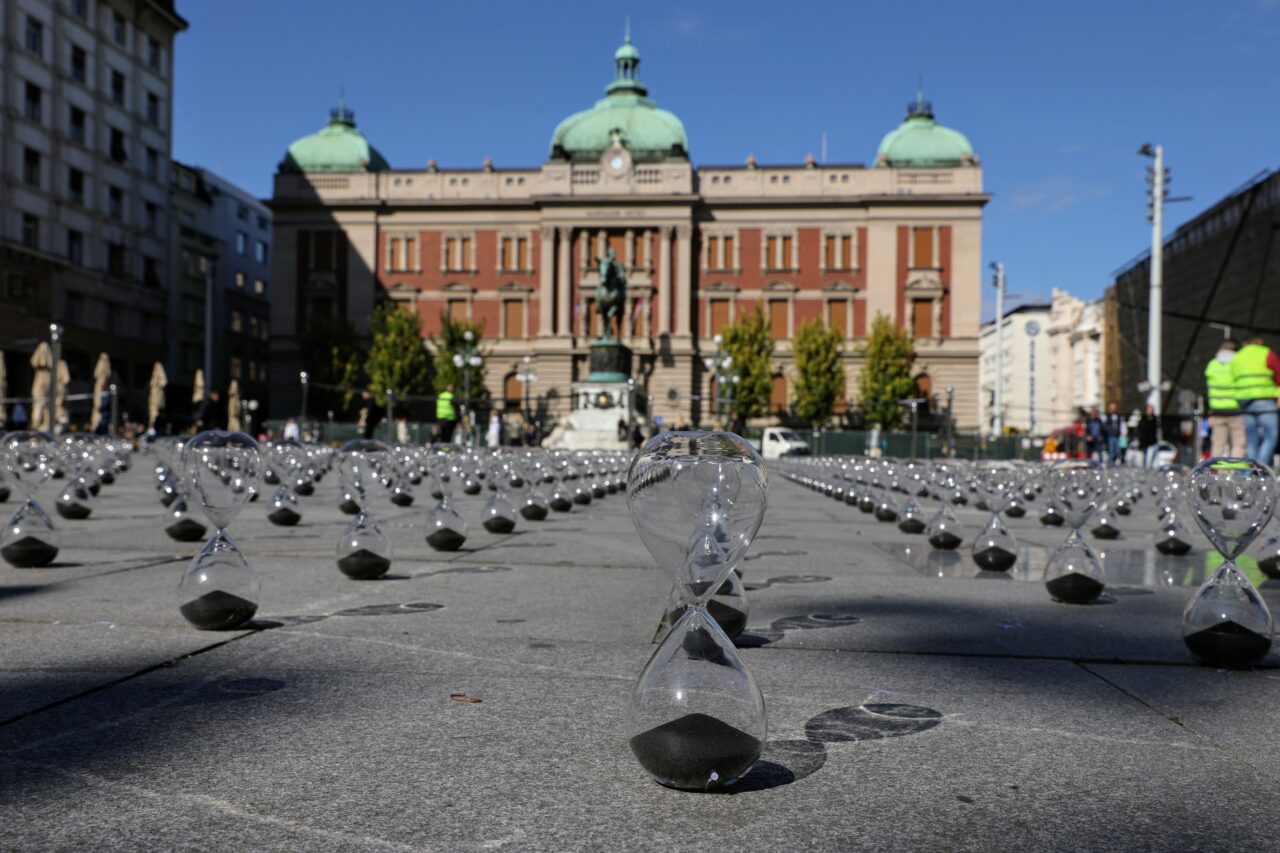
(611, 294)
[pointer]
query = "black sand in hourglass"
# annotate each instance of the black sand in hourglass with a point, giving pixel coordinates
(186, 530)
(1074, 588)
(1270, 566)
(29, 553)
(364, 565)
(348, 506)
(994, 559)
(1015, 510)
(1104, 529)
(696, 751)
(533, 511)
(445, 539)
(499, 524)
(911, 524)
(305, 488)
(284, 516)
(218, 611)
(945, 540)
(1228, 644)
(73, 506)
(1173, 545)
(1051, 517)
(4, 493)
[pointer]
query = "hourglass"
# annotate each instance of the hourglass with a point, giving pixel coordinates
(446, 531)
(406, 466)
(1172, 537)
(1227, 623)
(1268, 549)
(994, 548)
(944, 530)
(696, 719)
(498, 515)
(728, 606)
(286, 460)
(29, 539)
(219, 590)
(81, 463)
(1074, 574)
(533, 503)
(364, 552)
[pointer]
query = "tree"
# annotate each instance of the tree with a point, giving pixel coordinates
(332, 357)
(750, 347)
(819, 372)
(397, 359)
(886, 376)
(452, 340)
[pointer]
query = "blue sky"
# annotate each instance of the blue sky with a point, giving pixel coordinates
(1056, 98)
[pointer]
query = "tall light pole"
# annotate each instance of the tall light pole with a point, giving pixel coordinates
(55, 350)
(305, 380)
(527, 377)
(467, 359)
(1156, 178)
(208, 327)
(999, 391)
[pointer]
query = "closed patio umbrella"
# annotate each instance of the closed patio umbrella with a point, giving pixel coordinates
(101, 378)
(155, 399)
(41, 363)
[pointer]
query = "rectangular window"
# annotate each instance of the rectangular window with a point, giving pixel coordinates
(75, 247)
(260, 252)
(719, 315)
(31, 167)
(153, 110)
(150, 272)
(35, 36)
(242, 213)
(456, 309)
(266, 329)
(30, 231)
(32, 102)
(115, 202)
(237, 321)
(115, 259)
(117, 149)
(80, 8)
(778, 319)
(846, 252)
(74, 309)
(153, 163)
(457, 253)
(253, 326)
(393, 254)
(235, 367)
(117, 27)
(117, 87)
(617, 240)
(242, 243)
(727, 259)
(76, 125)
(259, 286)
(240, 280)
(831, 253)
(922, 318)
(770, 252)
(262, 222)
(922, 256)
(513, 318)
(713, 253)
(153, 53)
(79, 64)
(788, 260)
(151, 218)
(838, 317)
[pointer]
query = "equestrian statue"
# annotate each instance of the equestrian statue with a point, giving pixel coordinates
(611, 294)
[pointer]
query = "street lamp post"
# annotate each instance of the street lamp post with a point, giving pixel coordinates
(1157, 178)
(527, 377)
(304, 379)
(999, 394)
(467, 359)
(115, 410)
(55, 350)
(951, 452)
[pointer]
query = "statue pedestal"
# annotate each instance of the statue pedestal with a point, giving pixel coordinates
(599, 402)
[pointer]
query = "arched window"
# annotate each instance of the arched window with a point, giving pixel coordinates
(512, 390)
(778, 395)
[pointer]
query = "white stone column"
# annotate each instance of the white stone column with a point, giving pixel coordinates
(563, 286)
(664, 280)
(546, 281)
(684, 278)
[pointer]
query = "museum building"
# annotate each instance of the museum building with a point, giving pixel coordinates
(517, 249)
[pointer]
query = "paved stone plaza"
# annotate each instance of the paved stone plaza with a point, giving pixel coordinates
(911, 705)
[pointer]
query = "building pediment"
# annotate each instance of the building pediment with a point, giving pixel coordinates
(780, 287)
(924, 281)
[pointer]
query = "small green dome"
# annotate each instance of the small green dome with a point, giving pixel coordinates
(920, 142)
(338, 147)
(648, 132)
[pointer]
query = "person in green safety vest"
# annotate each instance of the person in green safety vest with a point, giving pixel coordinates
(1226, 424)
(446, 415)
(1256, 373)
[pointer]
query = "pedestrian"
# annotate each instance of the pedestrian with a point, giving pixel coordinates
(1148, 434)
(637, 436)
(209, 412)
(738, 424)
(370, 415)
(622, 430)
(493, 436)
(1226, 424)
(291, 430)
(402, 431)
(19, 417)
(1094, 439)
(1255, 370)
(1113, 428)
(446, 415)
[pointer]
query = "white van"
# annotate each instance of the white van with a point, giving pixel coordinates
(777, 442)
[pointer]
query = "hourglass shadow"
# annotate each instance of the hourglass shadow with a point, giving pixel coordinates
(779, 627)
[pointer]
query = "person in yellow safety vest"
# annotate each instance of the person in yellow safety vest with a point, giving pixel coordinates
(1225, 422)
(1256, 373)
(446, 415)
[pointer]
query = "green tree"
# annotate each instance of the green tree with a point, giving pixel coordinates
(332, 356)
(748, 343)
(820, 377)
(886, 375)
(452, 340)
(397, 359)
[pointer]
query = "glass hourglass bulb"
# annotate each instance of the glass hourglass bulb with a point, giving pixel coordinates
(696, 718)
(728, 606)
(1226, 623)
(994, 548)
(1172, 538)
(219, 590)
(498, 515)
(532, 501)
(286, 459)
(912, 517)
(181, 526)
(1074, 573)
(29, 539)
(364, 552)
(446, 529)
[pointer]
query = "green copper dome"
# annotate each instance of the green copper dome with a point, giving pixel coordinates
(647, 132)
(920, 142)
(339, 147)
